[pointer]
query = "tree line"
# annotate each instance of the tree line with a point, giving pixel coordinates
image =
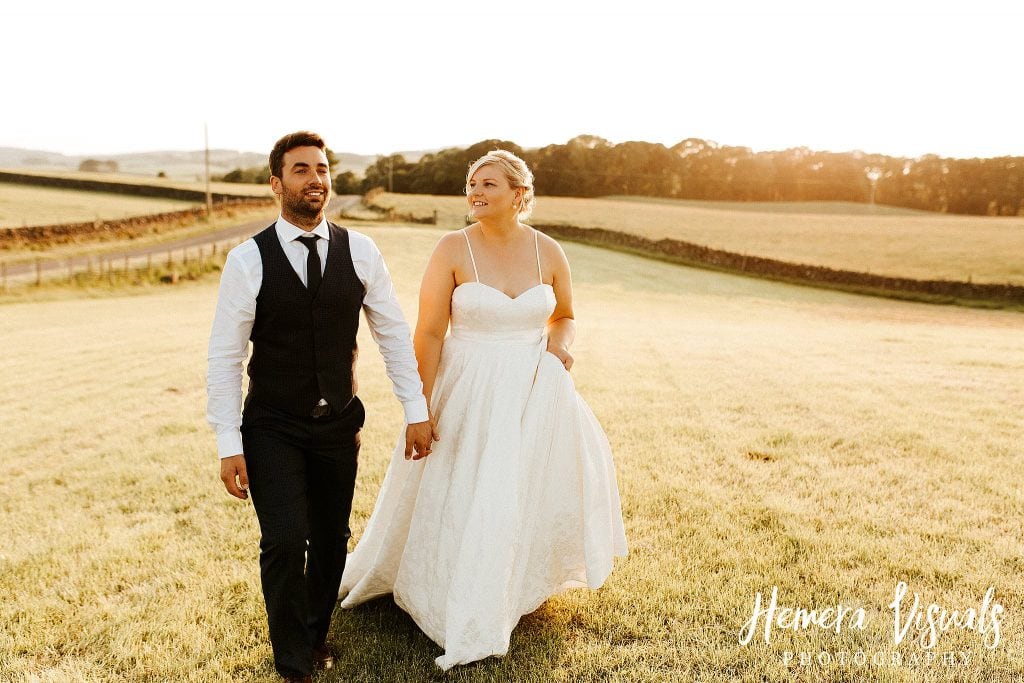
(590, 166)
(98, 166)
(343, 183)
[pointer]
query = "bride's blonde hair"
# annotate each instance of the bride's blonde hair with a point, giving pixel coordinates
(516, 172)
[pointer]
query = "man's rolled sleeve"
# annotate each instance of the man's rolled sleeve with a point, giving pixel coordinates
(229, 347)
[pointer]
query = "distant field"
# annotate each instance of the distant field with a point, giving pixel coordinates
(27, 205)
(824, 208)
(130, 179)
(764, 435)
(896, 243)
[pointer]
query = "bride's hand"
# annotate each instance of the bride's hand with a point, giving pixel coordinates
(418, 439)
(562, 354)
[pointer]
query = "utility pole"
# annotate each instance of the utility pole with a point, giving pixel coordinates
(209, 197)
(873, 174)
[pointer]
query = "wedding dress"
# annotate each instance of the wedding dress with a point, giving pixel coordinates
(518, 500)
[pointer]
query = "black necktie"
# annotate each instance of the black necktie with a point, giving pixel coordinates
(313, 274)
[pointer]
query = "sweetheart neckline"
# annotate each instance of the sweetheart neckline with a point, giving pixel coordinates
(495, 289)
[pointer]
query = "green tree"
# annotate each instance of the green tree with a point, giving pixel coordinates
(445, 171)
(259, 175)
(389, 172)
(589, 166)
(346, 183)
(332, 159)
(98, 166)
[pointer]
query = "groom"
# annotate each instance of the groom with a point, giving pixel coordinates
(295, 291)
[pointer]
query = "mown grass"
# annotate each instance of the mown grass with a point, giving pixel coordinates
(115, 281)
(185, 228)
(22, 205)
(896, 243)
(815, 207)
(248, 189)
(764, 435)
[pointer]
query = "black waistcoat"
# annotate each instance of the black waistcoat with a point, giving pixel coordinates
(304, 346)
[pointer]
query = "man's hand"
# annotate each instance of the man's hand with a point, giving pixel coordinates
(418, 438)
(231, 469)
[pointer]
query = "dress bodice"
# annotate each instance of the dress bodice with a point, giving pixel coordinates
(482, 313)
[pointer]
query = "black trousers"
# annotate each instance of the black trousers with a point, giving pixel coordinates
(302, 473)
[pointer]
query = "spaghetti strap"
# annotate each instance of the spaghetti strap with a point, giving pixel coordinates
(536, 244)
(476, 275)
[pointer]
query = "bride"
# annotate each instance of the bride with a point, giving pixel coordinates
(517, 499)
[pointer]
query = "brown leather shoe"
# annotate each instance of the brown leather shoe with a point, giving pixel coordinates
(323, 658)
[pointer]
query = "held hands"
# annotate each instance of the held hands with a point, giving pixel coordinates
(418, 438)
(234, 476)
(561, 353)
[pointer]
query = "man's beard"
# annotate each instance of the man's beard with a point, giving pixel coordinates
(297, 204)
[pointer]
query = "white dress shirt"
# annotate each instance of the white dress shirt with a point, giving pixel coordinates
(236, 310)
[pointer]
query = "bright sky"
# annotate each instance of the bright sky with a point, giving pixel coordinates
(896, 77)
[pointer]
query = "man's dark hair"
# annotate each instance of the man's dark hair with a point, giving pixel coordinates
(303, 138)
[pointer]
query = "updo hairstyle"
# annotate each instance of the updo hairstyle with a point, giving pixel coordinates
(516, 172)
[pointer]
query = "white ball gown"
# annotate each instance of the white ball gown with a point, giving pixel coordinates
(518, 500)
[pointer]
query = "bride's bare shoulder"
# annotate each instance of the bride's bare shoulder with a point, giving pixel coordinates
(450, 247)
(550, 249)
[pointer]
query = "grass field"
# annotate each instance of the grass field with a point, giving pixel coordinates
(248, 189)
(189, 228)
(821, 208)
(892, 242)
(22, 205)
(764, 435)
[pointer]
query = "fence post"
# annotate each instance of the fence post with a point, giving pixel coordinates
(149, 263)
(435, 216)
(39, 271)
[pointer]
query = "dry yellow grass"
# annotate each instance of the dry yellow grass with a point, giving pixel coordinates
(816, 207)
(247, 189)
(764, 435)
(895, 243)
(22, 205)
(190, 228)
